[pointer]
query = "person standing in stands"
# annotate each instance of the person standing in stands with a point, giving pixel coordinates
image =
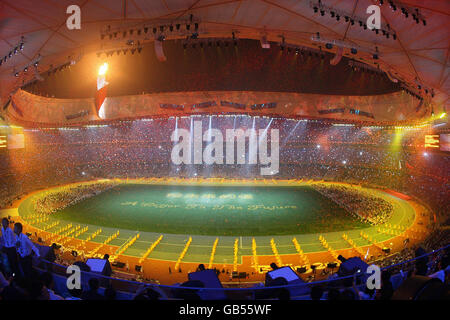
(201, 267)
(9, 245)
(25, 248)
(387, 290)
(107, 271)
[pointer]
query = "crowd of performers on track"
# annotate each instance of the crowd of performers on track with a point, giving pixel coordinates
(358, 202)
(59, 199)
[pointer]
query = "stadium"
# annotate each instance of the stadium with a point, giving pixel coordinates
(224, 150)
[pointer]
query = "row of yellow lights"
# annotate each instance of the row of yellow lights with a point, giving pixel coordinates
(441, 116)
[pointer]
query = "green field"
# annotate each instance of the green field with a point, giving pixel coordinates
(212, 210)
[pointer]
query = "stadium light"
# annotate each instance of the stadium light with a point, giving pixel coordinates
(102, 70)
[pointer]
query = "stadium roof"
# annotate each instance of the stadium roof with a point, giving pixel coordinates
(419, 55)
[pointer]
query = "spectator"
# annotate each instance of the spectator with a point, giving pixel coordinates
(51, 255)
(367, 294)
(9, 246)
(316, 293)
(284, 294)
(386, 291)
(421, 268)
(146, 293)
(110, 293)
(201, 267)
(333, 294)
(47, 280)
(92, 293)
(3, 281)
(107, 271)
(82, 265)
(75, 294)
(37, 291)
(25, 248)
(442, 266)
(348, 294)
(14, 291)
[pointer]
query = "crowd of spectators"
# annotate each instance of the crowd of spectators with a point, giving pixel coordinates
(46, 285)
(142, 148)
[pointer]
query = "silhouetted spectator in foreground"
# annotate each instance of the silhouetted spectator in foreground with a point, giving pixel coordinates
(51, 255)
(75, 294)
(421, 268)
(107, 271)
(274, 266)
(419, 253)
(333, 294)
(92, 293)
(47, 280)
(386, 291)
(201, 267)
(368, 294)
(271, 293)
(284, 294)
(147, 294)
(110, 293)
(316, 293)
(348, 294)
(14, 291)
(188, 294)
(442, 265)
(82, 265)
(37, 291)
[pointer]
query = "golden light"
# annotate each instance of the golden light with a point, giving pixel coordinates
(443, 114)
(102, 70)
(431, 141)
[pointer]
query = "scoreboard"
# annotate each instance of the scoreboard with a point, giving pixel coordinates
(432, 141)
(11, 138)
(3, 137)
(439, 142)
(3, 141)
